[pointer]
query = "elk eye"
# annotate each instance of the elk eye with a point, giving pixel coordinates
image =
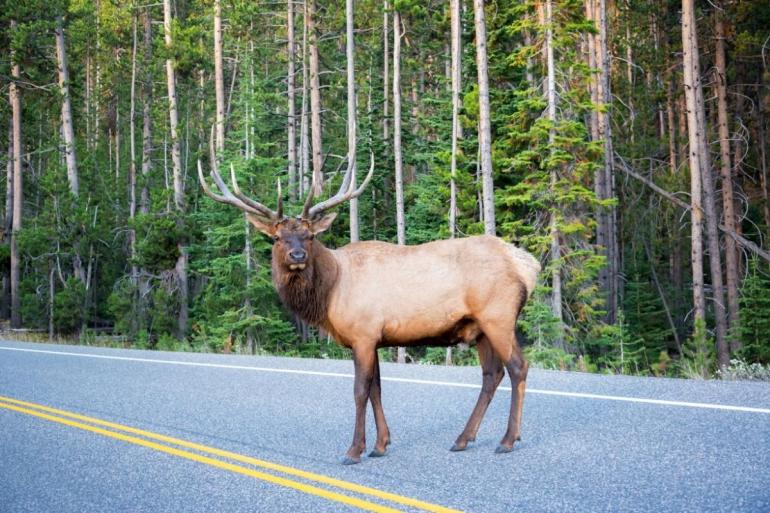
(276, 238)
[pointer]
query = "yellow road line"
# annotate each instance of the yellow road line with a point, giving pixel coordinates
(309, 489)
(310, 476)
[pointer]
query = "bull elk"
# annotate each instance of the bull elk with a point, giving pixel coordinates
(369, 295)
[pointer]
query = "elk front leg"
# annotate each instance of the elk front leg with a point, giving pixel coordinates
(363, 361)
(383, 434)
(492, 374)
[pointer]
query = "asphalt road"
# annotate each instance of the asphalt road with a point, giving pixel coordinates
(590, 443)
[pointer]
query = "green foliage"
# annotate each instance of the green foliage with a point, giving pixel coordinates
(68, 307)
(754, 328)
(698, 360)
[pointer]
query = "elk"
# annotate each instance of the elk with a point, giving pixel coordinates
(369, 295)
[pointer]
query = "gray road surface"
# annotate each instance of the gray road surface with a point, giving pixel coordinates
(590, 443)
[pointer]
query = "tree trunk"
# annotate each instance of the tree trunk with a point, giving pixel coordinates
(315, 99)
(385, 72)
(5, 229)
(304, 128)
(132, 167)
(728, 201)
(485, 131)
(179, 201)
(66, 108)
(400, 225)
(18, 198)
(219, 84)
(455, 71)
(708, 190)
(691, 70)
(291, 121)
(352, 125)
(555, 256)
(144, 201)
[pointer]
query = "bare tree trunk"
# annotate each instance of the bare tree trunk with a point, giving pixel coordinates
(762, 142)
(728, 201)
(5, 228)
(352, 122)
(689, 43)
(18, 198)
(315, 99)
(385, 72)
(400, 225)
(8, 217)
(485, 131)
(66, 108)
(144, 201)
(219, 78)
(672, 154)
(132, 167)
(603, 179)
(709, 194)
(455, 77)
(179, 201)
(291, 122)
(556, 287)
(456, 24)
(304, 129)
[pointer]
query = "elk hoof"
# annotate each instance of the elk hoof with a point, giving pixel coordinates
(502, 449)
(347, 460)
(376, 453)
(458, 447)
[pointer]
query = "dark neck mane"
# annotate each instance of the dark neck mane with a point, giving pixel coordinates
(307, 293)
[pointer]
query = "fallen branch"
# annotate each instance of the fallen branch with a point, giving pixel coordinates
(746, 243)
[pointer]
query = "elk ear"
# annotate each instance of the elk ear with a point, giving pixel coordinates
(322, 224)
(267, 227)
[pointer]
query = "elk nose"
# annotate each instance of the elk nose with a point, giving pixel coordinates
(298, 255)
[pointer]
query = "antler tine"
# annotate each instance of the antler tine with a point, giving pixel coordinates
(341, 196)
(250, 202)
(343, 188)
(227, 196)
(279, 208)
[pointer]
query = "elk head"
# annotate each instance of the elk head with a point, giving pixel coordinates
(292, 236)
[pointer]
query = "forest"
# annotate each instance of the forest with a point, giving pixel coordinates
(623, 143)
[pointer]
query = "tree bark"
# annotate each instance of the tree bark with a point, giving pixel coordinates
(485, 131)
(18, 198)
(385, 72)
(66, 108)
(291, 122)
(696, 194)
(400, 225)
(315, 99)
(456, 24)
(144, 201)
(728, 200)
(304, 128)
(219, 84)
(697, 105)
(352, 122)
(179, 201)
(132, 167)
(555, 256)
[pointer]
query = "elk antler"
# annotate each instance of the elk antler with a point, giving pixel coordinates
(235, 198)
(346, 192)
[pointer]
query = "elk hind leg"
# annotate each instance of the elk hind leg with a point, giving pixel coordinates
(492, 374)
(517, 370)
(503, 342)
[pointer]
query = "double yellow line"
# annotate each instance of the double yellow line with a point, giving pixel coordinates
(151, 441)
